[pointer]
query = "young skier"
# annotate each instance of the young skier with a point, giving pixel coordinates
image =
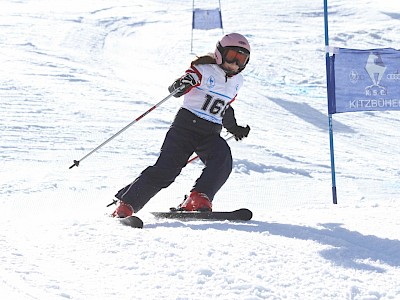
(209, 85)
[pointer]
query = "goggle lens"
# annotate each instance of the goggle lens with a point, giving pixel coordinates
(240, 58)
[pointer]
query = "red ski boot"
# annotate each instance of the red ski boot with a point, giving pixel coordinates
(196, 201)
(123, 210)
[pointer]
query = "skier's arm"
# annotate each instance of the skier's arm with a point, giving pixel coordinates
(188, 81)
(229, 122)
(229, 119)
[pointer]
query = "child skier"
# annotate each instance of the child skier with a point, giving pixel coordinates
(209, 85)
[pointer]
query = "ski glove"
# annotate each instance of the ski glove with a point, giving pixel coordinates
(239, 132)
(185, 83)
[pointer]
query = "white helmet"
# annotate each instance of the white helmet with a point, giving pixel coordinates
(239, 44)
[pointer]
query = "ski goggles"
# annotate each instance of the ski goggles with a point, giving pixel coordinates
(239, 57)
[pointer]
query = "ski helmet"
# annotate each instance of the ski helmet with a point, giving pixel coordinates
(239, 44)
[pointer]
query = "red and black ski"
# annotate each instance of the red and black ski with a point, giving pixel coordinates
(242, 214)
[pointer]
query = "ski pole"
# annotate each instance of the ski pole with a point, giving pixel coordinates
(76, 162)
(196, 157)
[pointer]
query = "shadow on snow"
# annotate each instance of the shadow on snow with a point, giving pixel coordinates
(311, 115)
(348, 247)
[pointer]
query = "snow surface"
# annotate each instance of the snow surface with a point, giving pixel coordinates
(73, 73)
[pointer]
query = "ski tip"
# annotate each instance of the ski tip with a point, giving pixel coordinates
(132, 221)
(246, 214)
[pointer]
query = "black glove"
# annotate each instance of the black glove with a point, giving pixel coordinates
(184, 83)
(239, 132)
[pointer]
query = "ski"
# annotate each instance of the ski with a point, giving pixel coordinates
(132, 221)
(242, 214)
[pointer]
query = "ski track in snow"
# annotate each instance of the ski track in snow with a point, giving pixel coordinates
(75, 73)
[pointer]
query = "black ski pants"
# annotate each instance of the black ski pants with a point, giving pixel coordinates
(188, 134)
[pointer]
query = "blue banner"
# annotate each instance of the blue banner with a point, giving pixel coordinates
(206, 19)
(364, 80)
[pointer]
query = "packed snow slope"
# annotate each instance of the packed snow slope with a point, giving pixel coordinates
(73, 73)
